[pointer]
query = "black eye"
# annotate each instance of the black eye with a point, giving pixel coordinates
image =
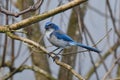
(50, 25)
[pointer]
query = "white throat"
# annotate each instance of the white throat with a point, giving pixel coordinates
(48, 32)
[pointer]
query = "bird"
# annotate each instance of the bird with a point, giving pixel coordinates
(58, 38)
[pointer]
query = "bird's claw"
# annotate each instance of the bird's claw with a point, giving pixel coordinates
(49, 54)
(53, 55)
(55, 58)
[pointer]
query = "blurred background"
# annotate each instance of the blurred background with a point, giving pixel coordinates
(94, 23)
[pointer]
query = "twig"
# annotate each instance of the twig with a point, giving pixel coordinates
(36, 45)
(19, 49)
(69, 68)
(99, 62)
(39, 70)
(40, 17)
(110, 70)
(92, 60)
(15, 70)
(36, 69)
(6, 38)
(103, 37)
(33, 67)
(31, 8)
(112, 18)
(25, 40)
(70, 53)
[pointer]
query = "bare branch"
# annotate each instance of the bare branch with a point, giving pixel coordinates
(31, 8)
(36, 45)
(34, 68)
(110, 70)
(24, 67)
(25, 40)
(69, 68)
(99, 62)
(39, 70)
(112, 18)
(40, 17)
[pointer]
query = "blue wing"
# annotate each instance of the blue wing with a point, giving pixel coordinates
(61, 35)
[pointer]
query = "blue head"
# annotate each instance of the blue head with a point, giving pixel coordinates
(50, 25)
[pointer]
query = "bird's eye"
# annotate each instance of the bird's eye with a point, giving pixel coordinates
(50, 25)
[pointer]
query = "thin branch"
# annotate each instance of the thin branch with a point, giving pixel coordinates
(39, 70)
(33, 67)
(70, 53)
(12, 53)
(98, 43)
(25, 40)
(99, 62)
(14, 70)
(110, 70)
(100, 13)
(31, 8)
(4, 50)
(19, 49)
(36, 45)
(40, 17)
(6, 38)
(104, 36)
(112, 18)
(69, 68)
(92, 60)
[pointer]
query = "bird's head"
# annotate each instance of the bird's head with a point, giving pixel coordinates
(50, 25)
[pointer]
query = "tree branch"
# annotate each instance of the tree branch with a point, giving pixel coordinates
(34, 68)
(31, 8)
(69, 68)
(24, 67)
(36, 45)
(99, 62)
(110, 70)
(40, 17)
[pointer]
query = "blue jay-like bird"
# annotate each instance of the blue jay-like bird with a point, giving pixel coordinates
(61, 40)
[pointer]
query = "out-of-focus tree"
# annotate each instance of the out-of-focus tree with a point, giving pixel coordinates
(24, 27)
(34, 34)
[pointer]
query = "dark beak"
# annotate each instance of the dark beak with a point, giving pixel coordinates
(46, 28)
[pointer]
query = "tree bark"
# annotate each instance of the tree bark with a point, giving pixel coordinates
(69, 59)
(34, 34)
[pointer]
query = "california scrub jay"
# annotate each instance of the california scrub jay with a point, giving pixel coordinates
(61, 40)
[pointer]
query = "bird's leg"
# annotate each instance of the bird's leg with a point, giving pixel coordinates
(59, 51)
(52, 51)
(55, 55)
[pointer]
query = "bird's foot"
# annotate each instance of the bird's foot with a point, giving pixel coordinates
(55, 58)
(50, 54)
(53, 55)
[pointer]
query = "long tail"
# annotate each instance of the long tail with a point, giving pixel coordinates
(87, 47)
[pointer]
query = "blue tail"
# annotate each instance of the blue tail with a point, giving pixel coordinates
(87, 47)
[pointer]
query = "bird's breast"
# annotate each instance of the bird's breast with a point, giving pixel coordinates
(48, 33)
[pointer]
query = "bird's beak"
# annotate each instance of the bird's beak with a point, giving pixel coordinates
(46, 28)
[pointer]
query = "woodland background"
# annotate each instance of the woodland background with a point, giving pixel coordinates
(24, 49)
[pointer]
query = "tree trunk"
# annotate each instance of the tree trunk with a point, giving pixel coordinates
(69, 59)
(34, 34)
